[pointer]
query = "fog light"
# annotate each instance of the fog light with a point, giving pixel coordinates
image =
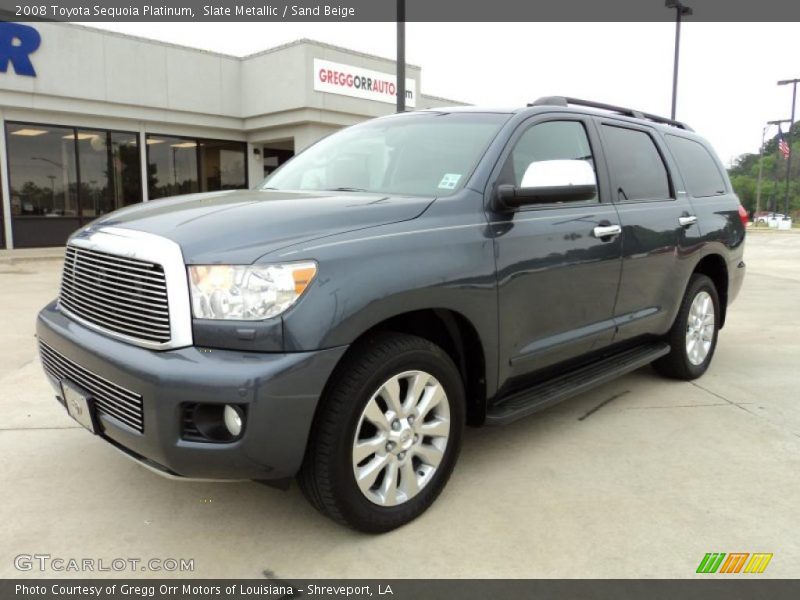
(217, 423)
(233, 420)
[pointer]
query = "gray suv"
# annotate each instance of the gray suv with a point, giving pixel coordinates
(399, 279)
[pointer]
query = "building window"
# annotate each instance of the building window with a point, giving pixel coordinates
(222, 165)
(108, 167)
(178, 165)
(61, 178)
(126, 187)
(171, 166)
(42, 171)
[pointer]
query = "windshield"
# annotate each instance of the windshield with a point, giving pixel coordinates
(419, 154)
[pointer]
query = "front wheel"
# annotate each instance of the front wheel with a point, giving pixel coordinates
(387, 435)
(693, 337)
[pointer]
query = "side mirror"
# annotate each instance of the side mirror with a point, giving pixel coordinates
(550, 181)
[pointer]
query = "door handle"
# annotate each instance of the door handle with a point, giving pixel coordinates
(602, 231)
(687, 220)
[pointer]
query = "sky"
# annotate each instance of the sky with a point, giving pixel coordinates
(728, 71)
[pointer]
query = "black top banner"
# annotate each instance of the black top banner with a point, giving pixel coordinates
(386, 10)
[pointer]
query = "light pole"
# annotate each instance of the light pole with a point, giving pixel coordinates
(793, 83)
(681, 10)
(760, 174)
(400, 61)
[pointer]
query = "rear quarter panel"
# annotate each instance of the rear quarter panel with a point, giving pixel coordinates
(721, 229)
(723, 234)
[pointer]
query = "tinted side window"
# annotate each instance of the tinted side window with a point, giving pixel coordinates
(552, 140)
(637, 166)
(699, 169)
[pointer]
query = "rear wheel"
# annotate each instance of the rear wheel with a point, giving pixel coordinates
(388, 434)
(693, 337)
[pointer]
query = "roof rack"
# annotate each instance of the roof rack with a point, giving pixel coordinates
(628, 112)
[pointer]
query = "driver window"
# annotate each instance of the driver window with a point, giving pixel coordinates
(552, 140)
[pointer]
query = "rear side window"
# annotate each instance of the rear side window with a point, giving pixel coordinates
(637, 166)
(698, 167)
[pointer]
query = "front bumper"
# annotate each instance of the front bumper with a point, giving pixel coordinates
(280, 391)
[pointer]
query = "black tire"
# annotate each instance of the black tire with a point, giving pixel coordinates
(677, 364)
(327, 478)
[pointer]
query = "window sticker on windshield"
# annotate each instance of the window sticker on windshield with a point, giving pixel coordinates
(449, 181)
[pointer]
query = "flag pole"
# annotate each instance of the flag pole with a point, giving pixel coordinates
(793, 83)
(778, 122)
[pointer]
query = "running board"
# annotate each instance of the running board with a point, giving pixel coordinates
(549, 392)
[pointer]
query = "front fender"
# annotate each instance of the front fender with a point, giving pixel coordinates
(364, 278)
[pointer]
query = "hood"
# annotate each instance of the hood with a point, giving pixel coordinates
(240, 226)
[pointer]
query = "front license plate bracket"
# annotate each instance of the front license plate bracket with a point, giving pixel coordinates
(80, 405)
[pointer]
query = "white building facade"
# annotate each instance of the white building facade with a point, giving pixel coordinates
(93, 120)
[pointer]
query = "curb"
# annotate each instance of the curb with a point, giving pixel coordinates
(771, 231)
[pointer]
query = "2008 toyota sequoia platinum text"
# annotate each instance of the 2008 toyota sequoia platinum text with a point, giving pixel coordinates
(397, 280)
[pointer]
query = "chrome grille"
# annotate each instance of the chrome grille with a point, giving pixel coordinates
(109, 398)
(124, 296)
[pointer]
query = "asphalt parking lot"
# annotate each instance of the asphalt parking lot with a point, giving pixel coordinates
(659, 474)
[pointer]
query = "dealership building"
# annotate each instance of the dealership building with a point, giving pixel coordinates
(94, 120)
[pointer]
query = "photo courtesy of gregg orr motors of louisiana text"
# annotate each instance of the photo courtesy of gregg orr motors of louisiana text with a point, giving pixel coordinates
(195, 589)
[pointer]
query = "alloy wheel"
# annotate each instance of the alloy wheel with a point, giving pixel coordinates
(401, 438)
(700, 328)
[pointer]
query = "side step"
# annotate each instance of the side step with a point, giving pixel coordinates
(549, 392)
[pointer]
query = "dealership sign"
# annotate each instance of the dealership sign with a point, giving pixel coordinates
(346, 80)
(17, 43)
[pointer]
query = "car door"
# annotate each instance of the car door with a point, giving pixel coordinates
(557, 281)
(659, 228)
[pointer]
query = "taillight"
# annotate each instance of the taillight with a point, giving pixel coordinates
(743, 215)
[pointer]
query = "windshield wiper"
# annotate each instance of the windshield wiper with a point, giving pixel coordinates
(345, 189)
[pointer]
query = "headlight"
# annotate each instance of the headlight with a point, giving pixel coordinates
(249, 292)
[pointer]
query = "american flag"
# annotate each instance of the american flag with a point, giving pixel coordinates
(783, 146)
